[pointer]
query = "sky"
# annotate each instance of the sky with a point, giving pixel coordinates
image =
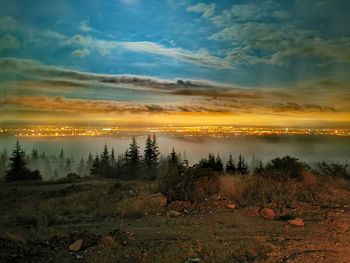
(148, 63)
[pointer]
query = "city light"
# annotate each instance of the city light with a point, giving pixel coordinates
(186, 131)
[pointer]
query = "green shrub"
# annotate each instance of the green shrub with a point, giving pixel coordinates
(282, 169)
(333, 170)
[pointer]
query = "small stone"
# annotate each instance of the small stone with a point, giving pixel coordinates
(76, 245)
(158, 199)
(173, 213)
(268, 213)
(231, 206)
(108, 241)
(296, 222)
(193, 260)
(180, 206)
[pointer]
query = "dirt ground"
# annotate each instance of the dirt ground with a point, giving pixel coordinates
(209, 232)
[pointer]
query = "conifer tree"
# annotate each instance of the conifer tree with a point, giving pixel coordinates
(89, 162)
(18, 169)
(133, 159)
(95, 167)
(105, 166)
(219, 167)
(151, 158)
(3, 163)
(230, 166)
(155, 148)
(242, 167)
(81, 167)
(68, 167)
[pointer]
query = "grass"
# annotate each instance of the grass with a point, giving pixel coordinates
(58, 213)
(45, 205)
(266, 192)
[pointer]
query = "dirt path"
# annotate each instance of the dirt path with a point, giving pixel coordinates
(223, 236)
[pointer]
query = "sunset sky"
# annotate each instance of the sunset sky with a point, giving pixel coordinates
(175, 62)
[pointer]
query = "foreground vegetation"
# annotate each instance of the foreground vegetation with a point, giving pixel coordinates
(210, 212)
(132, 221)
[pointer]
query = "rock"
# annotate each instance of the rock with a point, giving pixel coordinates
(193, 260)
(173, 213)
(231, 206)
(108, 241)
(180, 206)
(76, 245)
(158, 199)
(268, 213)
(297, 222)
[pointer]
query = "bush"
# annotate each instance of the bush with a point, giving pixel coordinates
(282, 169)
(191, 184)
(333, 170)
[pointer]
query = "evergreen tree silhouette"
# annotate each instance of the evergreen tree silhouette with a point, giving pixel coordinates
(155, 148)
(242, 167)
(68, 167)
(81, 167)
(105, 166)
(18, 170)
(3, 163)
(89, 162)
(133, 159)
(230, 166)
(95, 167)
(219, 167)
(151, 158)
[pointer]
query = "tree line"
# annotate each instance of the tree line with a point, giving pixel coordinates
(150, 165)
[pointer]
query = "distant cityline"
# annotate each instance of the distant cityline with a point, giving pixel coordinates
(187, 131)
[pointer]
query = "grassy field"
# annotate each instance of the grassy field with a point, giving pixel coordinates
(131, 222)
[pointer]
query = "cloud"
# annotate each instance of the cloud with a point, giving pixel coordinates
(9, 42)
(7, 23)
(106, 47)
(266, 34)
(200, 57)
(295, 107)
(175, 95)
(207, 10)
(59, 103)
(81, 53)
(85, 45)
(84, 26)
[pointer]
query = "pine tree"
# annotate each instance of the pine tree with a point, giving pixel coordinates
(18, 169)
(151, 154)
(155, 148)
(3, 163)
(89, 162)
(61, 156)
(105, 166)
(113, 160)
(148, 152)
(105, 156)
(242, 167)
(61, 162)
(173, 156)
(81, 167)
(230, 166)
(113, 164)
(133, 159)
(219, 167)
(95, 167)
(35, 155)
(68, 167)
